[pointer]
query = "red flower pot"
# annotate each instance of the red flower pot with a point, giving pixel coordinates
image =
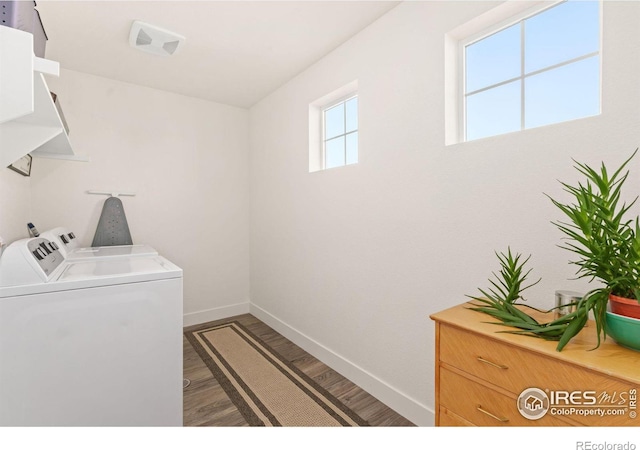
(624, 306)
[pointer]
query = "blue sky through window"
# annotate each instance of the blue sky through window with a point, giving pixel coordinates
(494, 59)
(561, 33)
(566, 93)
(341, 134)
(550, 61)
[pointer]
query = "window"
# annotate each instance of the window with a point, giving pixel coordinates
(340, 133)
(333, 129)
(542, 69)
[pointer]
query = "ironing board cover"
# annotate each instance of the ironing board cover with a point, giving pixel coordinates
(112, 227)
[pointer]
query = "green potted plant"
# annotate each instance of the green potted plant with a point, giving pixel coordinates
(607, 249)
(605, 242)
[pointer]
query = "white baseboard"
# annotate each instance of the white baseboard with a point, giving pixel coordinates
(208, 315)
(404, 405)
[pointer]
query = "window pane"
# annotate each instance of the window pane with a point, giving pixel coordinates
(352, 148)
(566, 93)
(494, 111)
(352, 114)
(493, 59)
(334, 152)
(563, 32)
(334, 121)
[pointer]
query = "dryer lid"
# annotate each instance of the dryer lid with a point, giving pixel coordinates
(115, 251)
(100, 273)
(120, 270)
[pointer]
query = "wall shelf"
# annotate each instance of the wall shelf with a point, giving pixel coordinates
(29, 119)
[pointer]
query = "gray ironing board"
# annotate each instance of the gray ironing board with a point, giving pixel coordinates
(112, 227)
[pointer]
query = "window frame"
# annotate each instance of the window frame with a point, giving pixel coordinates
(499, 26)
(316, 123)
(342, 100)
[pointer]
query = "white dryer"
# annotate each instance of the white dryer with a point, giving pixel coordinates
(89, 342)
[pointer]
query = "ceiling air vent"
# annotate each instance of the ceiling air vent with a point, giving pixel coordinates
(152, 39)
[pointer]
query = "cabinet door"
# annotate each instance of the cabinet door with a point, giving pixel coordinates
(16, 73)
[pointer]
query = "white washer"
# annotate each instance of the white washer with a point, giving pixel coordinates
(89, 342)
(68, 244)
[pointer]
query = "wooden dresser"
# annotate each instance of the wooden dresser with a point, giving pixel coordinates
(481, 374)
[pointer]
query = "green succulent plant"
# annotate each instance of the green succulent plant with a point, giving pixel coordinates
(501, 300)
(605, 242)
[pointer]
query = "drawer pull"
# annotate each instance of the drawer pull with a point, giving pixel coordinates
(491, 363)
(484, 411)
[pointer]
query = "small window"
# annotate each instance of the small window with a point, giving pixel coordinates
(340, 133)
(542, 69)
(333, 129)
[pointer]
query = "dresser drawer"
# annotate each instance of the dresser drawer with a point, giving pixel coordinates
(483, 406)
(450, 419)
(491, 360)
(516, 369)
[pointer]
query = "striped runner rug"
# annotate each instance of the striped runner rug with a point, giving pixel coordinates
(267, 389)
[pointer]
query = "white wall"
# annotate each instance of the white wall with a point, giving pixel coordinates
(352, 261)
(15, 205)
(186, 160)
(349, 262)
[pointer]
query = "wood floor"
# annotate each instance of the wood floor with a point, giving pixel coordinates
(206, 404)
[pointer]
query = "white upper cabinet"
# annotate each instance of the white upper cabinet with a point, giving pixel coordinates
(29, 119)
(16, 74)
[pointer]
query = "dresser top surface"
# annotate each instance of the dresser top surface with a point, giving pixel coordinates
(610, 358)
